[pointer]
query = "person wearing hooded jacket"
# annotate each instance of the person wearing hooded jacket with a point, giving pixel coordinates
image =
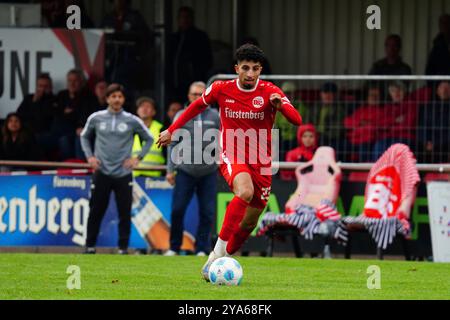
(307, 145)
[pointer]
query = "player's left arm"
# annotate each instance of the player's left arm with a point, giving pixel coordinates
(281, 103)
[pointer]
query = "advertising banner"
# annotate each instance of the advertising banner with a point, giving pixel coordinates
(26, 53)
(52, 210)
(439, 208)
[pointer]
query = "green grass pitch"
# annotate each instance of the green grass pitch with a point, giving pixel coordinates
(43, 276)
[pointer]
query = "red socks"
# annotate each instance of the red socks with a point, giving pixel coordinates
(231, 231)
(233, 216)
(237, 240)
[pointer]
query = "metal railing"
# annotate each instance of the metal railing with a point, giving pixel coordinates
(278, 77)
(367, 114)
(441, 168)
(75, 167)
(348, 85)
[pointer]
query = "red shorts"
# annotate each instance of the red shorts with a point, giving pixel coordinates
(261, 183)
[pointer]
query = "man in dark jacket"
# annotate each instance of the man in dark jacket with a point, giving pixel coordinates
(189, 53)
(129, 49)
(392, 63)
(192, 177)
(439, 58)
(35, 108)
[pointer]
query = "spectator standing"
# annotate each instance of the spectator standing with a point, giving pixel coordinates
(129, 50)
(192, 177)
(190, 55)
(114, 131)
(439, 58)
(392, 64)
(146, 110)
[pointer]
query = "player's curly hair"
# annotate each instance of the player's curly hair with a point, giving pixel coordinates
(249, 52)
(114, 87)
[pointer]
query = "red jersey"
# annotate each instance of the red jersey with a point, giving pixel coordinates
(398, 120)
(362, 126)
(247, 118)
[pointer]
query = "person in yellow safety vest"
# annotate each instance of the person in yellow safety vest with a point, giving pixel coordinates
(146, 110)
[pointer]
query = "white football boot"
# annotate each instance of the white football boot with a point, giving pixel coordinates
(170, 253)
(205, 269)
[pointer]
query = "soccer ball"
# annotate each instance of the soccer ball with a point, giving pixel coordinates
(225, 271)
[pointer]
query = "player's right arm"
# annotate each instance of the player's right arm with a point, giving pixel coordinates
(194, 109)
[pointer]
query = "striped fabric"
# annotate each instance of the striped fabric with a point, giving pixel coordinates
(399, 157)
(325, 212)
(397, 175)
(383, 231)
(305, 219)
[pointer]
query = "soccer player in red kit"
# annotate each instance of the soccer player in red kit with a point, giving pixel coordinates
(247, 108)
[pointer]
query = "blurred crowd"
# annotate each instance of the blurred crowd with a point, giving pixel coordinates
(360, 125)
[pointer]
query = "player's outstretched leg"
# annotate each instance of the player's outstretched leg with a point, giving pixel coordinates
(233, 216)
(244, 230)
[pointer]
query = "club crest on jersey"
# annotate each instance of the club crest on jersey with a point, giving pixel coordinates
(122, 127)
(258, 102)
